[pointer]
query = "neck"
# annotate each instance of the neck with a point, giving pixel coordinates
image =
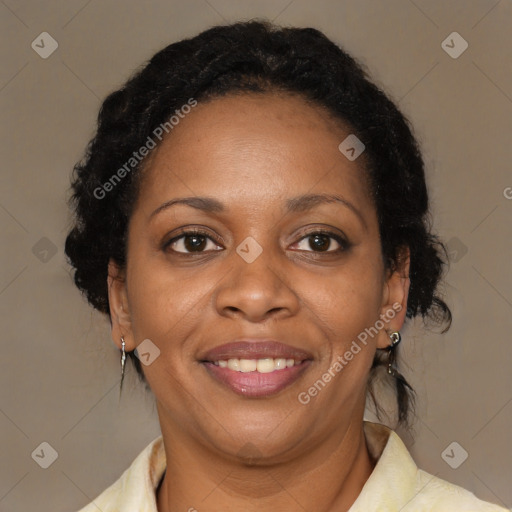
(336, 471)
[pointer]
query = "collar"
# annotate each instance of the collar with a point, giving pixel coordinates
(393, 480)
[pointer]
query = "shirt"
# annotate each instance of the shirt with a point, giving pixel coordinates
(395, 484)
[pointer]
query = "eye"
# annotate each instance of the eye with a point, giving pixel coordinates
(322, 241)
(192, 241)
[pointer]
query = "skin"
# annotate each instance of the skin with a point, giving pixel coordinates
(225, 451)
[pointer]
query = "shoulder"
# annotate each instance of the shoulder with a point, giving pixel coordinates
(135, 489)
(437, 495)
(396, 483)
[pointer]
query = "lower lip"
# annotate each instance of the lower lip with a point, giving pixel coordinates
(255, 384)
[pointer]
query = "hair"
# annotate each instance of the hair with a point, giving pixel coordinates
(259, 57)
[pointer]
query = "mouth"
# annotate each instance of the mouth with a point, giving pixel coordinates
(257, 368)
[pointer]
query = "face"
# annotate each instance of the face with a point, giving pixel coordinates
(255, 240)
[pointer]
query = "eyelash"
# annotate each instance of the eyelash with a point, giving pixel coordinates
(344, 244)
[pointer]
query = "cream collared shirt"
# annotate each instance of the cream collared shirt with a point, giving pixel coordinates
(395, 485)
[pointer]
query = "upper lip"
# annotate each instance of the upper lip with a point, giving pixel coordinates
(255, 349)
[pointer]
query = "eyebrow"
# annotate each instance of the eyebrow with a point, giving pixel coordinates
(309, 201)
(298, 204)
(205, 204)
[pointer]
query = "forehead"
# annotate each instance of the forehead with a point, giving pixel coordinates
(253, 147)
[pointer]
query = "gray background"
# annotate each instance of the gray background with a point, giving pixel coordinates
(59, 369)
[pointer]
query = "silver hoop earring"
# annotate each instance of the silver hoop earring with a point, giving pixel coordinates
(395, 338)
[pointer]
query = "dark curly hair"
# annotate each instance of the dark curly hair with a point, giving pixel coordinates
(258, 57)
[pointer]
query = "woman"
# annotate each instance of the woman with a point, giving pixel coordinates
(252, 216)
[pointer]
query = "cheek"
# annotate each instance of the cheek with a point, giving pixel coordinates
(162, 303)
(166, 309)
(349, 300)
(346, 306)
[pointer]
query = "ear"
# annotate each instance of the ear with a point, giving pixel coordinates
(395, 294)
(119, 309)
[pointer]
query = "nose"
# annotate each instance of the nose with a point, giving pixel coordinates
(256, 291)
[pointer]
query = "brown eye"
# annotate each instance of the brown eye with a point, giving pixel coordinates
(191, 242)
(322, 242)
(319, 242)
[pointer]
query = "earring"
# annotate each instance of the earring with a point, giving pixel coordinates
(395, 338)
(123, 361)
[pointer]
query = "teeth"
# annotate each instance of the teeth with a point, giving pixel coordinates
(234, 364)
(247, 365)
(280, 364)
(266, 365)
